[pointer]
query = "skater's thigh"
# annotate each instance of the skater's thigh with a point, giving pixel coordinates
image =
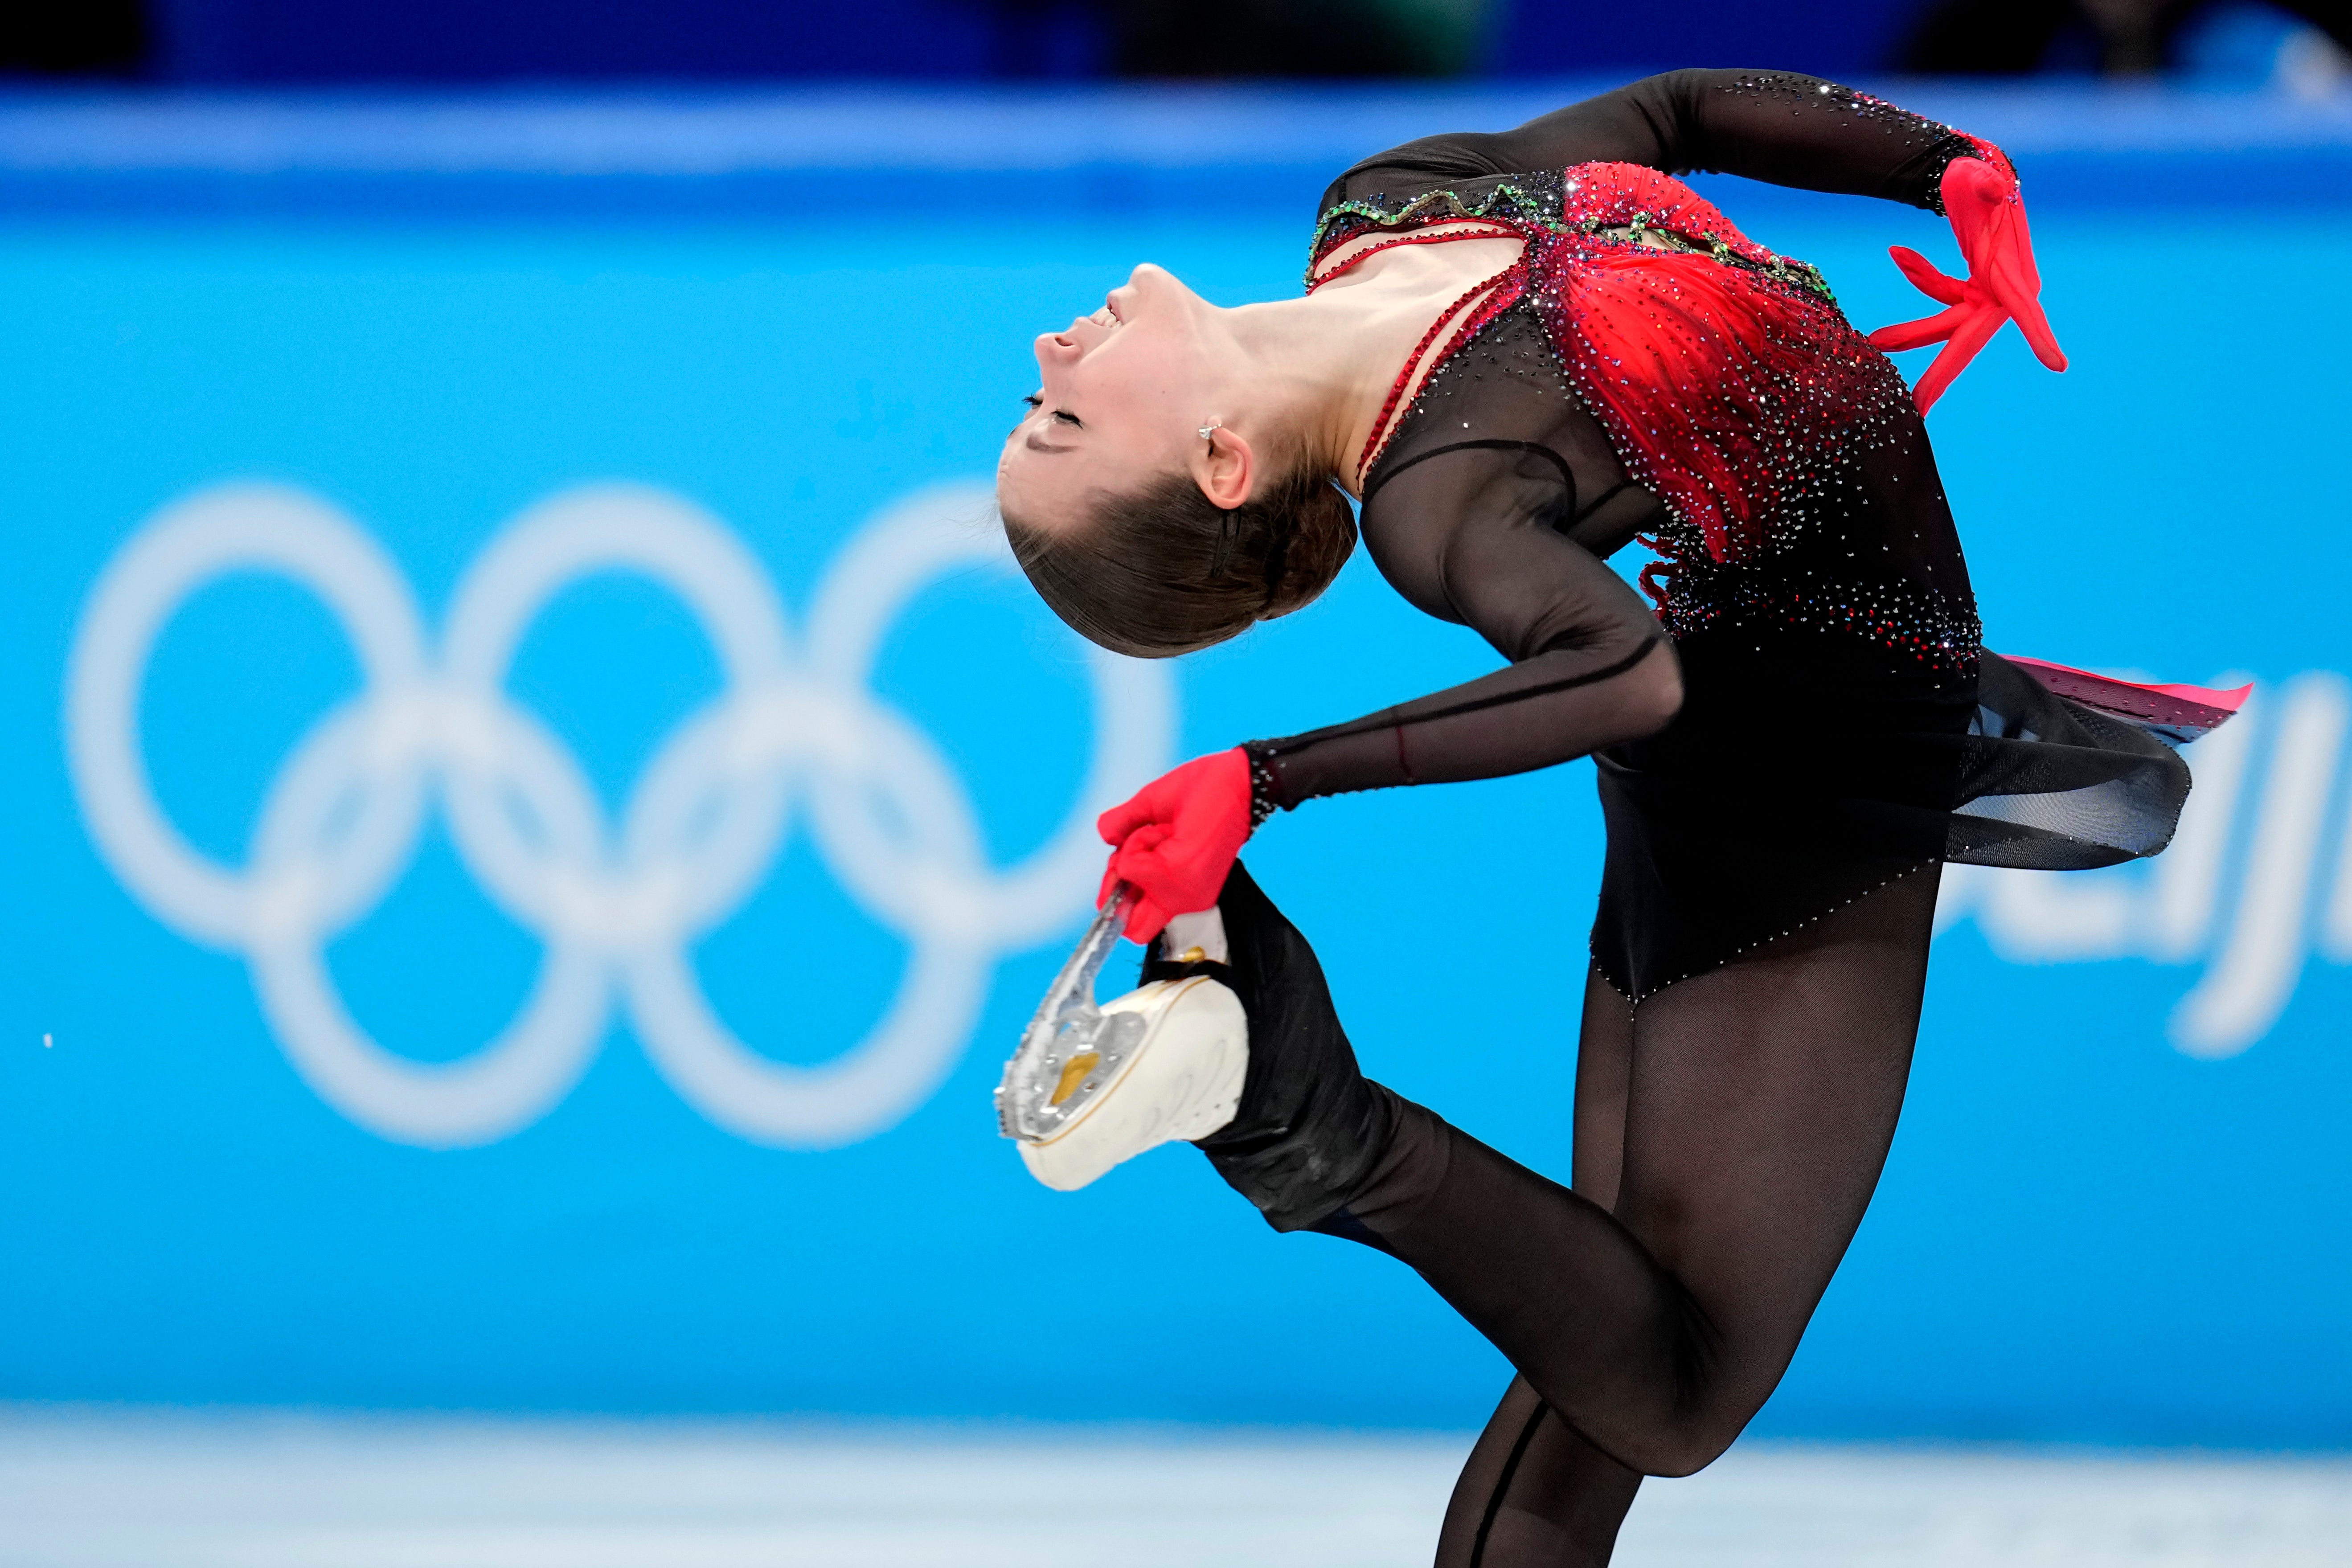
(1604, 1065)
(1760, 1102)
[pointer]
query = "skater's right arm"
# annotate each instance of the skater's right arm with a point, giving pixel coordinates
(1473, 541)
(1472, 534)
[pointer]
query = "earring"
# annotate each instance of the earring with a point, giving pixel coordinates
(1212, 424)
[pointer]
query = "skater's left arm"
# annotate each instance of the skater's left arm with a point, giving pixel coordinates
(1788, 130)
(1774, 126)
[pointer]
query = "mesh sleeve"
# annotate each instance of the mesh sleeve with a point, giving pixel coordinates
(1470, 535)
(1780, 127)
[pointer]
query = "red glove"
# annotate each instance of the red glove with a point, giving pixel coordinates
(2003, 285)
(1176, 839)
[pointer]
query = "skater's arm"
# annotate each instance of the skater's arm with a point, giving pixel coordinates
(1774, 126)
(1475, 535)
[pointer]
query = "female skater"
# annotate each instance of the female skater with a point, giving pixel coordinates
(1521, 351)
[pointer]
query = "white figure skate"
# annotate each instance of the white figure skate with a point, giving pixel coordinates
(1091, 1086)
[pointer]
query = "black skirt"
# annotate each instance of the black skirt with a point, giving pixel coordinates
(1803, 771)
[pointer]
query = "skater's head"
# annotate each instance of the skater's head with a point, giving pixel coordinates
(1162, 492)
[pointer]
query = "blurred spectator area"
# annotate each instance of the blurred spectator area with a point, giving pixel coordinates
(2298, 44)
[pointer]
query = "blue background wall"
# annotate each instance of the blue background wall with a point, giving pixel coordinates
(438, 40)
(2108, 1216)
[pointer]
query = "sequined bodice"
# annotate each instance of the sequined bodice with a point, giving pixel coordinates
(1776, 445)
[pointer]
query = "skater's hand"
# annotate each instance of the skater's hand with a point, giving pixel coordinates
(1176, 839)
(2003, 285)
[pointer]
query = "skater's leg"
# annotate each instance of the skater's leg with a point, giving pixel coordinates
(1533, 1492)
(1760, 1102)
(1604, 1075)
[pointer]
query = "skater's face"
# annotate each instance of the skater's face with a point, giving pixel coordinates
(1122, 398)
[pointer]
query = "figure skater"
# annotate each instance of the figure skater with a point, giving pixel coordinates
(1521, 351)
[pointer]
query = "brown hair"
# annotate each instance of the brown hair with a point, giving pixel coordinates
(1165, 570)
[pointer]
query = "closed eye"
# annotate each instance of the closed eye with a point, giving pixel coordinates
(1036, 400)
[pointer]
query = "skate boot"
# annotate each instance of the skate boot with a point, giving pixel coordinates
(1092, 1086)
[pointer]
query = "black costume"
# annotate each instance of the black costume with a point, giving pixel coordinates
(1771, 869)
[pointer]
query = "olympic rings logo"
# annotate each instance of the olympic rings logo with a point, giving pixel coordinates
(794, 729)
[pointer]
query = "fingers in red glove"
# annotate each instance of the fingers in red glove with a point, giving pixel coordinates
(2004, 283)
(1988, 218)
(2003, 257)
(1178, 836)
(1927, 278)
(1145, 919)
(1975, 330)
(1124, 819)
(1919, 335)
(1935, 329)
(2019, 299)
(1148, 837)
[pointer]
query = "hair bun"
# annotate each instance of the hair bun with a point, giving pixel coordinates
(1164, 570)
(1321, 537)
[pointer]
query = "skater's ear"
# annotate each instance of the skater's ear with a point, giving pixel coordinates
(1225, 468)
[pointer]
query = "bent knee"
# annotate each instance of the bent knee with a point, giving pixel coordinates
(1684, 1450)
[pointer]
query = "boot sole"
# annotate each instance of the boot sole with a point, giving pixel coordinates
(1183, 1081)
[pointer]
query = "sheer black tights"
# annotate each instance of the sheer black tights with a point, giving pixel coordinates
(1728, 1134)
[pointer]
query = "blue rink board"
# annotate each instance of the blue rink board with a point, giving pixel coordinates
(2115, 1209)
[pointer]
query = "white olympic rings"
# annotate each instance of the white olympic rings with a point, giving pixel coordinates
(618, 912)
